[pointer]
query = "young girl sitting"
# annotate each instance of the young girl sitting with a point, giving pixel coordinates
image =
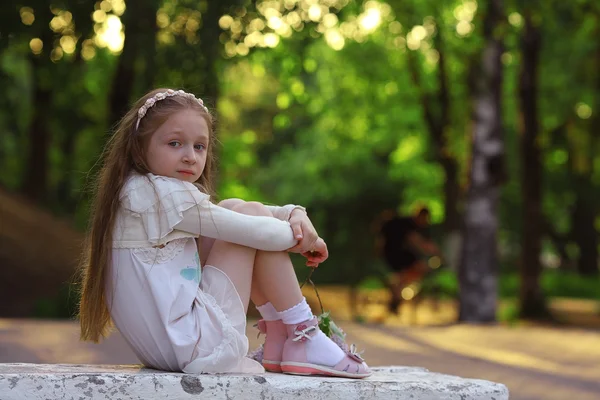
(175, 272)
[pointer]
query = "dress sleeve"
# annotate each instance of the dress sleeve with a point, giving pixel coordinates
(167, 204)
(284, 212)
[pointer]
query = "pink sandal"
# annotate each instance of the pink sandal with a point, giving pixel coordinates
(273, 348)
(294, 360)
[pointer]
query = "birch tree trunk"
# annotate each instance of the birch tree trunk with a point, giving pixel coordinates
(479, 267)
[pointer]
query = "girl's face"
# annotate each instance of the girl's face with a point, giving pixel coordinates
(178, 148)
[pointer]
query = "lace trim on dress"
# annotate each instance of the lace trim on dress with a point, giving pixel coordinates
(156, 255)
(228, 329)
(229, 332)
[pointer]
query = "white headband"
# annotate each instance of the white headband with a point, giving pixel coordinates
(161, 96)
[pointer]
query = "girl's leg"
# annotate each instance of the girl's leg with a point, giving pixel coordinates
(237, 261)
(306, 350)
(274, 280)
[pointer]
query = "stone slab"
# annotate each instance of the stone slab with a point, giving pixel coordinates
(124, 382)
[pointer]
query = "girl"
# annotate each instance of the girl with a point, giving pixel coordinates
(175, 273)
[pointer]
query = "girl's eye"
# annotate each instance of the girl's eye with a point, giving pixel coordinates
(174, 144)
(200, 147)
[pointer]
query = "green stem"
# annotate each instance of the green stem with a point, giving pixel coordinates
(314, 287)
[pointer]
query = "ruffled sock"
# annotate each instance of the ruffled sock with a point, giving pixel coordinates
(320, 349)
(268, 312)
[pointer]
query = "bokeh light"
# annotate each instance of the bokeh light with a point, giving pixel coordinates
(583, 110)
(27, 16)
(110, 34)
(36, 45)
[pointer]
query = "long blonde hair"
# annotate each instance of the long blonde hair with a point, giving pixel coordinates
(124, 153)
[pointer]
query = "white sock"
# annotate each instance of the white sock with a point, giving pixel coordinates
(322, 351)
(268, 312)
(299, 313)
(319, 349)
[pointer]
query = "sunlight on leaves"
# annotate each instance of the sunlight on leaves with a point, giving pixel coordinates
(110, 34)
(56, 54)
(583, 110)
(281, 121)
(68, 44)
(27, 16)
(297, 88)
(507, 58)
(225, 21)
(36, 45)
(560, 156)
(279, 18)
(98, 16)
(245, 158)
(515, 19)
(334, 39)
(391, 88)
(233, 189)
(283, 100)
(310, 65)
(464, 14)
(370, 19)
(408, 148)
(248, 137)
(88, 51)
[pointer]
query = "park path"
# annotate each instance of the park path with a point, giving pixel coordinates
(534, 362)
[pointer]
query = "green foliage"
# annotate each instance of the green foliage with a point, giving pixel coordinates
(340, 130)
(553, 283)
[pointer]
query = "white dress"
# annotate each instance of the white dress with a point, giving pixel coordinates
(176, 315)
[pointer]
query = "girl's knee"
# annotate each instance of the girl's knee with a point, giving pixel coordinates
(230, 203)
(252, 208)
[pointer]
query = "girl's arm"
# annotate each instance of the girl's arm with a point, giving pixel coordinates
(262, 233)
(284, 212)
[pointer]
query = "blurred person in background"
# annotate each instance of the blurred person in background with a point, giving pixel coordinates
(403, 243)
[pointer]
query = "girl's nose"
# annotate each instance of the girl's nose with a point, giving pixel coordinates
(189, 157)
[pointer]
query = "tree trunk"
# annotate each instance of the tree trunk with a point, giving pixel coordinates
(479, 267)
(77, 120)
(436, 115)
(210, 46)
(35, 182)
(140, 34)
(531, 297)
(436, 111)
(583, 230)
(438, 132)
(35, 174)
(586, 210)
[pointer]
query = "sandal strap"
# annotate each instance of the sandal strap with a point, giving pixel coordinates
(350, 365)
(304, 333)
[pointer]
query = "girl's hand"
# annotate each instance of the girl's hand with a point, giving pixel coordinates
(304, 232)
(318, 255)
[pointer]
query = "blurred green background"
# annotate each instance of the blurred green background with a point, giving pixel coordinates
(346, 107)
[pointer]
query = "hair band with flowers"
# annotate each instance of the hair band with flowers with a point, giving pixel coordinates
(161, 96)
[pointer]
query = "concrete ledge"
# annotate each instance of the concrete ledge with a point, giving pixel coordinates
(124, 382)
